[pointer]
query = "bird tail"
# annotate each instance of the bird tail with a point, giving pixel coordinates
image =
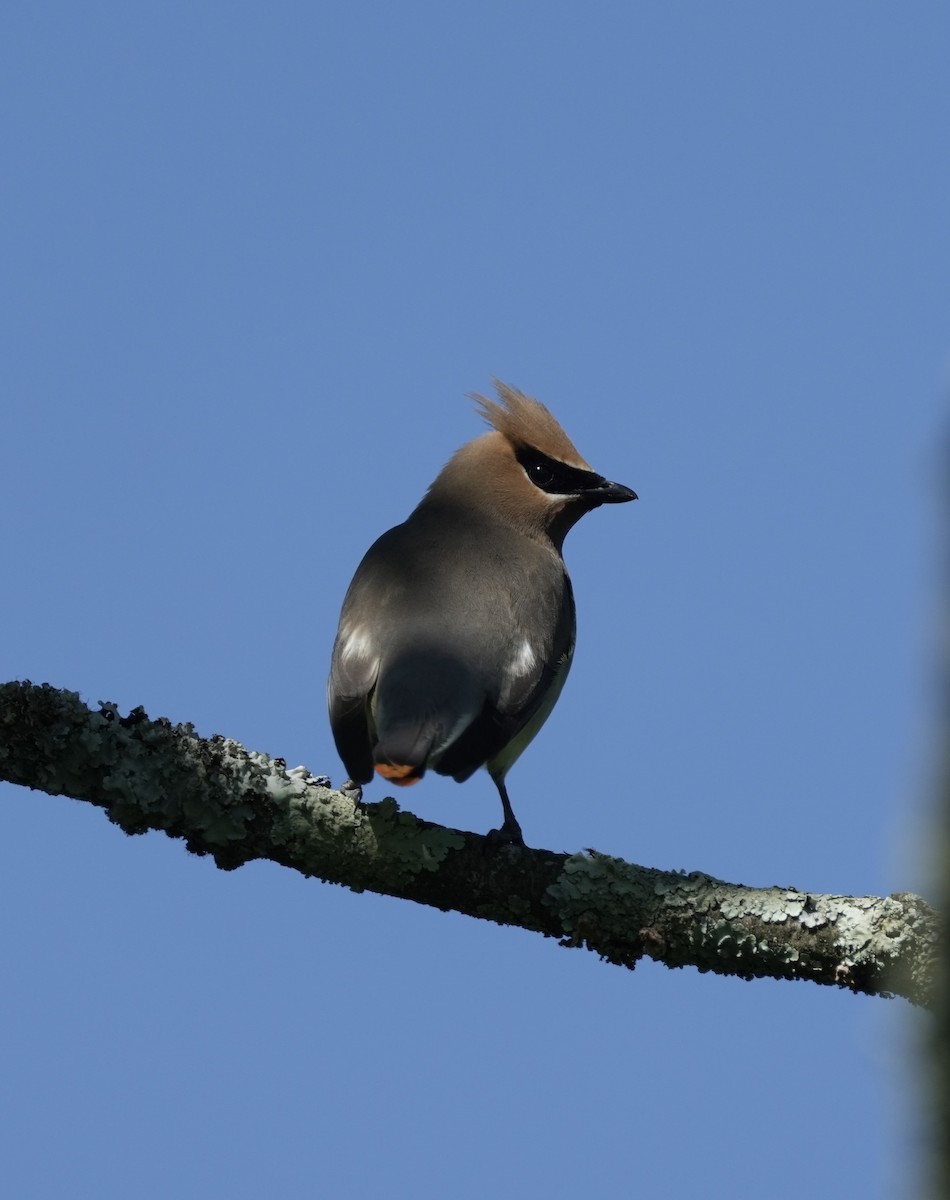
(401, 774)
(402, 753)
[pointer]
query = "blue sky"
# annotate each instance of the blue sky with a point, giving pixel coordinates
(254, 257)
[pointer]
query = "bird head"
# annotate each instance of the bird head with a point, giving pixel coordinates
(526, 472)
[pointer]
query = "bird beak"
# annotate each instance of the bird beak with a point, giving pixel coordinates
(612, 493)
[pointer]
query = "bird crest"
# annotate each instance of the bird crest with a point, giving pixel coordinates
(525, 421)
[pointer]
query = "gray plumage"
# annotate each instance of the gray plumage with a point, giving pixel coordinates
(457, 631)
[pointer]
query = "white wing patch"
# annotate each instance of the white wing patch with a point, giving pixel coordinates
(355, 643)
(525, 660)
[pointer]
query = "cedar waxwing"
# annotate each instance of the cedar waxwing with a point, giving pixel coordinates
(457, 631)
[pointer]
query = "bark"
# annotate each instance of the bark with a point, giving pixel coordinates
(238, 805)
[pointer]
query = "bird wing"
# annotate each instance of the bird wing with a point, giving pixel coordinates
(397, 672)
(526, 710)
(531, 673)
(354, 668)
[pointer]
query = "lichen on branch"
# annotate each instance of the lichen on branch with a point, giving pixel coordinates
(238, 805)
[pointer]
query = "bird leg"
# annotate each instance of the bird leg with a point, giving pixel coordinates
(510, 833)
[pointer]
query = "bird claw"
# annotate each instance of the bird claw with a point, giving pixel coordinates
(352, 791)
(508, 835)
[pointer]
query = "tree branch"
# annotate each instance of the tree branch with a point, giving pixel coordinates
(238, 805)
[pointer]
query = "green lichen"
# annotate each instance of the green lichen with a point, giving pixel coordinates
(378, 840)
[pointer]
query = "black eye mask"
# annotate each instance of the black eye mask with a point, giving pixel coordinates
(556, 477)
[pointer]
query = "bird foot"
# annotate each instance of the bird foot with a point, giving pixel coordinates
(352, 791)
(508, 835)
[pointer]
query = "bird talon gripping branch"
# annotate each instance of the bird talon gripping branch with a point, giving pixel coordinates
(353, 791)
(457, 631)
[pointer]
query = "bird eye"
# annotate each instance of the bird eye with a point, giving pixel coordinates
(554, 477)
(540, 474)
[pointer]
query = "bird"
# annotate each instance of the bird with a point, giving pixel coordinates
(457, 632)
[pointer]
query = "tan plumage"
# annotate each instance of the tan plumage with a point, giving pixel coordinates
(457, 631)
